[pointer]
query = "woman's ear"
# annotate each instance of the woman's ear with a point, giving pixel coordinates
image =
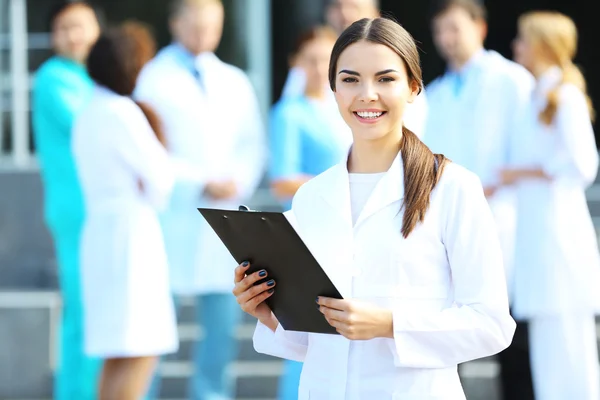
(415, 89)
(292, 60)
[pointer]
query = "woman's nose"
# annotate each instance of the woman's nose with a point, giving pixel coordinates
(368, 93)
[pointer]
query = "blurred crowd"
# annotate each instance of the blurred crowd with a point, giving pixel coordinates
(133, 139)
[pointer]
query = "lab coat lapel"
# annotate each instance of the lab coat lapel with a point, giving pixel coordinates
(388, 190)
(336, 192)
(333, 235)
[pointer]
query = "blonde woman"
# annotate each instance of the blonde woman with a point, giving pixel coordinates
(557, 263)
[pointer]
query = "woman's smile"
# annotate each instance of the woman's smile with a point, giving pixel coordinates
(369, 116)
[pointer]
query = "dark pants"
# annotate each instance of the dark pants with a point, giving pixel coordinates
(515, 372)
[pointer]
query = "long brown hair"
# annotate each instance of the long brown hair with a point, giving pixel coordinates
(555, 35)
(422, 168)
(116, 60)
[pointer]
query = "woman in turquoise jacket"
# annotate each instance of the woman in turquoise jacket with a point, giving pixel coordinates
(307, 137)
(61, 88)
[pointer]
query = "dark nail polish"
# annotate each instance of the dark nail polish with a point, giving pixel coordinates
(317, 300)
(271, 282)
(271, 290)
(262, 273)
(245, 264)
(318, 307)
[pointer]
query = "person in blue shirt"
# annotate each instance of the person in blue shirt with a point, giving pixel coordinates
(471, 116)
(307, 137)
(61, 88)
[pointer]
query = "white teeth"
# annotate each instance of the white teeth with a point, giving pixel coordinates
(369, 114)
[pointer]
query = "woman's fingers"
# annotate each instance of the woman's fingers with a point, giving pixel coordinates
(254, 291)
(240, 272)
(251, 305)
(244, 282)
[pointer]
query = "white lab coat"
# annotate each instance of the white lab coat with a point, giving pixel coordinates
(557, 263)
(473, 128)
(414, 115)
(126, 296)
(218, 126)
(444, 283)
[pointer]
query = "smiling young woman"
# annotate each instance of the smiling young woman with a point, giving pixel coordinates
(406, 237)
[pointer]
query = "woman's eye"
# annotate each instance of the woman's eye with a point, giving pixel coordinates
(349, 80)
(386, 79)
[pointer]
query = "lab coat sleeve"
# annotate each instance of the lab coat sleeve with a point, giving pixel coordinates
(295, 83)
(141, 150)
(290, 345)
(478, 323)
(519, 88)
(251, 144)
(577, 160)
(190, 182)
(285, 143)
(281, 343)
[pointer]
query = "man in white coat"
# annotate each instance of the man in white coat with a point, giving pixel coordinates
(471, 110)
(339, 15)
(211, 116)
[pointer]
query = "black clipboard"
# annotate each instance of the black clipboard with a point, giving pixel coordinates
(268, 241)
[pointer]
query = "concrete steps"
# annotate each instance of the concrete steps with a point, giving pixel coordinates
(28, 319)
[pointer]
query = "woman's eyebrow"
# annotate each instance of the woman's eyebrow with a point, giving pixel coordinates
(385, 71)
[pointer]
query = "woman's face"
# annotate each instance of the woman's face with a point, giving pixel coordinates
(74, 32)
(524, 52)
(372, 90)
(313, 58)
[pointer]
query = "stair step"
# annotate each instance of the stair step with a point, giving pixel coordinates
(239, 369)
(246, 387)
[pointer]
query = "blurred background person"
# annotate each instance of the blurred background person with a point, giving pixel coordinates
(61, 89)
(126, 176)
(307, 137)
(211, 117)
(557, 264)
(339, 15)
(471, 114)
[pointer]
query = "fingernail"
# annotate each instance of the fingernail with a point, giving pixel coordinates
(271, 290)
(245, 264)
(318, 307)
(271, 282)
(317, 299)
(262, 273)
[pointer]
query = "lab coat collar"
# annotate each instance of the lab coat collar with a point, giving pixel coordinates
(101, 90)
(390, 188)
(548, 80)
(193, 61)
(475, 61)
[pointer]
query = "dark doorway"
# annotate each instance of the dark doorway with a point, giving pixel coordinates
(289, 17)
(503, 14)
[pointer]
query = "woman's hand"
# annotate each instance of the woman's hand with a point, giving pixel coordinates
(489, 191)
(511, 176)
(221, 190)
(356, 320)
(252, 298)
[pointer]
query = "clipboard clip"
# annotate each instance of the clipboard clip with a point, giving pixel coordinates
(247, 209)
